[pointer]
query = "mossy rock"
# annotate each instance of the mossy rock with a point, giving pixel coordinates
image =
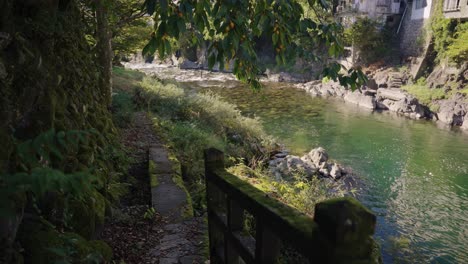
(43, 244)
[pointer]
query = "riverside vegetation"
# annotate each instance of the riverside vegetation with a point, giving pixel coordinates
(194, 121)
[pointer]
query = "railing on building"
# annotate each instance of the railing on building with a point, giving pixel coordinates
(451, 5)
(340, 232)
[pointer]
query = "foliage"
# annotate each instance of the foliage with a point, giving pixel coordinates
(237, 24)
(457, 51)
(449, 37)
(196, 121)
(149, 214)
(424, 94)
(130, 40)
(369, 40)
(122, 107)
(300, 192)
(207, 109)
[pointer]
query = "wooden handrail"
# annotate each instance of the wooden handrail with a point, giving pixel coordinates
(340, 231)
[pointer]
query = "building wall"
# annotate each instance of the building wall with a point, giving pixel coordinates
(421, 13)
(411, 32)
(461, 12)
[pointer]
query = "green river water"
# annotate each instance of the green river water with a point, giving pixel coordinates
(414, 174)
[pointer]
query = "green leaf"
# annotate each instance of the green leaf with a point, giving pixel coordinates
(150, 48)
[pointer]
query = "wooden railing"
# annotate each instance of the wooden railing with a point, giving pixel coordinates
(341, 231)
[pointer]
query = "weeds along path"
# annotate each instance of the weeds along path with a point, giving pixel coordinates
(136, 233)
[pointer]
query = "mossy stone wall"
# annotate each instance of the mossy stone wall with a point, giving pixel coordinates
(49, 79)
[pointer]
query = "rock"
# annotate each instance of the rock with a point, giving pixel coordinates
(168, 261)
(360, 99)
(465, 123)
(372, 84)
(335, 171)
(187, 64)
(317, 156)
(451, 112)
(380, 105)
(281, 155)
(392, 94)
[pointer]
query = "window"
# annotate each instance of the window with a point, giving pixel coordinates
(420, 4)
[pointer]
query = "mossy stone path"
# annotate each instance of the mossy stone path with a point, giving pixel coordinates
(182, 237)
(167, 198)
(172, 235)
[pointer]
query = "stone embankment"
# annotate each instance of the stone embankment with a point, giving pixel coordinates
(314, 163)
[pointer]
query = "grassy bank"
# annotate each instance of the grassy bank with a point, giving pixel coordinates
(192, 122)
(429, 96)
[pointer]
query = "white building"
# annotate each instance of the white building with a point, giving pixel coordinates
(380, 10)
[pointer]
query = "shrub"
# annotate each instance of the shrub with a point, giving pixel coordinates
(369, 39)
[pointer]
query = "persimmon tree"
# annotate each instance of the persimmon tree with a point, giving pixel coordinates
(232, 25)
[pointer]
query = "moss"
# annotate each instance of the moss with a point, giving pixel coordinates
(187, 210)
(43, 244)
(152, 174)
(177, 179)
(99, 207)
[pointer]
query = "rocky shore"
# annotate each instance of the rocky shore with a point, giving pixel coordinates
(386, 95)
(315, 163)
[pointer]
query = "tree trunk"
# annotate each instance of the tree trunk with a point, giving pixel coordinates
(104, 49)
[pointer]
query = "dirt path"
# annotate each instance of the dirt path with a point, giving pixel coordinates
(168, 237)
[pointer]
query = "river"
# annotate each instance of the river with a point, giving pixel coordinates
(415, 174)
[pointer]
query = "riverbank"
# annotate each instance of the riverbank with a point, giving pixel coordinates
(382, 93)
(194, 121)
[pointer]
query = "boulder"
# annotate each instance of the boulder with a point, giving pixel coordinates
(187, 65)
(335, 171)
(360, 99)
(317, 156)
(451, 112)
(392, 94)
(372, 84)
(465, 123)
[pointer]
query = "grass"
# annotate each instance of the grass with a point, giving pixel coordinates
(424, 94)
(300, 193)
(125, 79)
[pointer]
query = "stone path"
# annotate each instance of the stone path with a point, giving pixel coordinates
(168, 237)
(182, 236)
(181, 243)
(167, 198)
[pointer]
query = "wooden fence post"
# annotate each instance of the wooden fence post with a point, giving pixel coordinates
(348, 226)
(268, 245)
(213, 159)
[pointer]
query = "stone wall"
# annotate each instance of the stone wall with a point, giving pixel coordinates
(411, 34)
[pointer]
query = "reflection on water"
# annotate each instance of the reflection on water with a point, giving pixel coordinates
(416, 174)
